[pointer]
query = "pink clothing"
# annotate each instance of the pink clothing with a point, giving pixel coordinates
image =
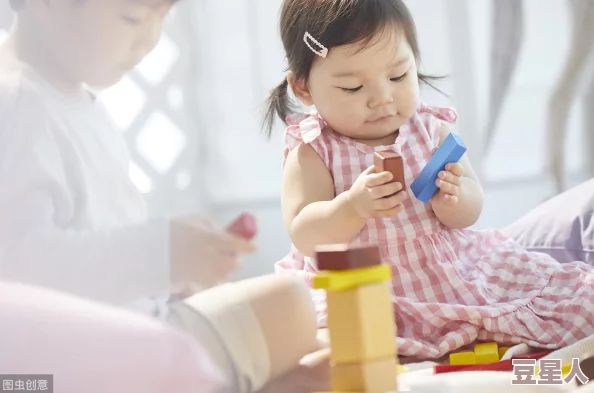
(92, 348)
(451, 287)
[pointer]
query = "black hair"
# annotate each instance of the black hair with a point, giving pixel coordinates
(333, 23)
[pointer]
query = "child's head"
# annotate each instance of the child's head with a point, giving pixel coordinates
(92, 41)
(367, 86)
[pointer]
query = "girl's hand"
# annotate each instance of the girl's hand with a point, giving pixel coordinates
(373, 196)
(449, 182)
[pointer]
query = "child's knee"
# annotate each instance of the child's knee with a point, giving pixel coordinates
(285, 311)
(259, 327)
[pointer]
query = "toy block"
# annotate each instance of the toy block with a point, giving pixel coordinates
(502, 352)
(244, 226)
(341, 257)
(347, 279)
(462, 358)
(361, 324)
(376, 376)
(486, 353)
(388, 161)
(451, 150)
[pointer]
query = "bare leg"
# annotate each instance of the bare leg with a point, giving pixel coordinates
(285, 311)
(311, 375)
(256, 330)
(564, 94)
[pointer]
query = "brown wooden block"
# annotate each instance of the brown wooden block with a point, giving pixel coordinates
(378, 376)
(388, 161)
(361, 324)
(341, 257)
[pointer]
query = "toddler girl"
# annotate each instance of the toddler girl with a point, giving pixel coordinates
(357, 62)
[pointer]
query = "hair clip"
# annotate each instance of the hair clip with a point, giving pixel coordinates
(322, 53)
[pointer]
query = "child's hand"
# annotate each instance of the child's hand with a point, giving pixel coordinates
(203, 254)
(373, 196)
(449, 182)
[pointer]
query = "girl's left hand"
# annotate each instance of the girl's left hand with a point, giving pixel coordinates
(449, 182)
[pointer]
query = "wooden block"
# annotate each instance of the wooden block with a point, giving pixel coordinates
(486, 353)
(376, 376)
(343, 257)
(462, 358)
(502, 351)
(244, 226)
(348, 279)
(388, 161)
(361, 324)
(451, 150)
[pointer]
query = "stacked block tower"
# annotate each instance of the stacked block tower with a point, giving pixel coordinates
(360, 318)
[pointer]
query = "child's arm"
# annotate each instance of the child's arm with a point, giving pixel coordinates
(459, 201)
(314, 215)
(311, 212)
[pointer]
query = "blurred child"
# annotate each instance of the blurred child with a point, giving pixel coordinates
(72, 220)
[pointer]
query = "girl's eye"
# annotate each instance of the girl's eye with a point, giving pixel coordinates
(353, 90)
(401, 77)
(131, 20)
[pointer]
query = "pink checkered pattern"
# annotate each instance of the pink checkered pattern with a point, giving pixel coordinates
(450, 287)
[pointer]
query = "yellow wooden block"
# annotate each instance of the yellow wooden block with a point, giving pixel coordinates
(376, 376)
(400, 369)
(462, 358)
(361, 324)
(486, 353)
(347, 279)
(502, 351)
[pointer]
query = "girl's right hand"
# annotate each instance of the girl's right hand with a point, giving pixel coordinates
(202, 254)
(373, 195)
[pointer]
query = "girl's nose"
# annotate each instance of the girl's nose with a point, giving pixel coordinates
(382, 95)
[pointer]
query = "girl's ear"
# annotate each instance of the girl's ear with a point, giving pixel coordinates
(300, 89)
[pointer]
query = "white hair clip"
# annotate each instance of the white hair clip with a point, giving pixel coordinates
(322, 53)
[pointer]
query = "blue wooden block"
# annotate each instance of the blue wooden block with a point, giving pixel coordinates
(451, 150)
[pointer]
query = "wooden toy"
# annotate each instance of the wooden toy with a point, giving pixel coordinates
(341, 257)
(502, 351)
(502, 365)
(462, 358)
(358, 331)
(486, 353)
(360, 319)
(483, 353)
(451, 150)
(369, 377)
(388, 161)
(244, 226)
(343, 280)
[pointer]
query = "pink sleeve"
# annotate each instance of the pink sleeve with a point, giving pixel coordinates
(307, 128)
(94, 348)
(433, 118)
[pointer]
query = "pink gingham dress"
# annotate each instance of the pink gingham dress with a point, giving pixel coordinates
(451, 287)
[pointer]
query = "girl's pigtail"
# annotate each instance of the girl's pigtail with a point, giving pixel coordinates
(278, 104)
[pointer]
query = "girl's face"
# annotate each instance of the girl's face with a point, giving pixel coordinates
(98, 41)
(365, 93)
